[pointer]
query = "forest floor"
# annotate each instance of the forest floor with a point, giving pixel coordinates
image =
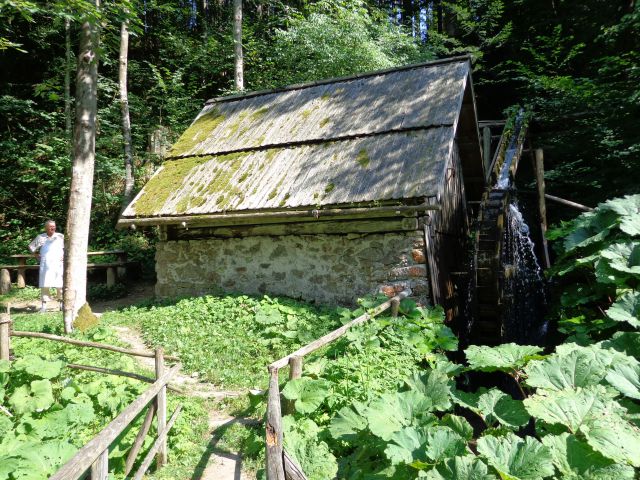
(220, 465)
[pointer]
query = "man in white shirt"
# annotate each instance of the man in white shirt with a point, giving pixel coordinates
(50, 246)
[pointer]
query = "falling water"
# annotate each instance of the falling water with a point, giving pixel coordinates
(523, 284)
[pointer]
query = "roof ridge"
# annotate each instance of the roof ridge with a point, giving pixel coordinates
(300, 86)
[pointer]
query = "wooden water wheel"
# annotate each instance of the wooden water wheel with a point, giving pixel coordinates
(490, 274)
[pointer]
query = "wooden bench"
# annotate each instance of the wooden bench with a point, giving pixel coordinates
(114, 270)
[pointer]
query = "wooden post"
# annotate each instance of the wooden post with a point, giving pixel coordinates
(295, 371)
(486, 149)
(20, 282)
(395, 307)
(5, 332)
(295, 367)
(5, 281)
(100, 468)
(111, 276)
(161, 408)
(539, 155)
(273, 430)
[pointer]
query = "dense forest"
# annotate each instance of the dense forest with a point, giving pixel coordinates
(575, 65)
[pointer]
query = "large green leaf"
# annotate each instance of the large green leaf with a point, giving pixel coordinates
(34, 398)
(442, 443)
(506, 357)
(458, 424)
(623, 257)
(307, 393)
(55, 424)
(626, 309)
(570, 408)
(348, 422)
(493, 406)
(39, 367)
(302, 443)
(625, 377)
(628, 208)
(592, 413)
(390, 412)
(626, 342)
(407, 446)
(467, 467)
(435, 385)
(515, 458)
(580, 367)
(575, 459)
(613, 436)
(42, 460)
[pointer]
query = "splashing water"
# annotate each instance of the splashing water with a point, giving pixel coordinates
(523, 284)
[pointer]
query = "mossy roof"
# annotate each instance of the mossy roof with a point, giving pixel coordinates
(382, 136)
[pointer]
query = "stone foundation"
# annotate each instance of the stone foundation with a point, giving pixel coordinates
(327, 269)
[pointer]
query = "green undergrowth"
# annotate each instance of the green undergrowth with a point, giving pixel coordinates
(46, 401)
(229, 340)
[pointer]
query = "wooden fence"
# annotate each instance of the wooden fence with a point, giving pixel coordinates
(279, 465)
(94, 456)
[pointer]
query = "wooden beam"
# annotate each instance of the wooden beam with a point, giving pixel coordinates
(292, 470)
(382, 225)
(139, 441)
(256, 218)
(161, 409)
(162, 438)
(568, 203)
(81, 343)
(121, 373)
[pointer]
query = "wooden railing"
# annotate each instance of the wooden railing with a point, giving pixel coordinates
(279, 465)
(94, 456)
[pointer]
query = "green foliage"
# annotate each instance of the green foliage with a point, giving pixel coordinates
(600, 259)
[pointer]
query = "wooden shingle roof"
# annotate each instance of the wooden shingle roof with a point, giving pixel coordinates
(378, 137)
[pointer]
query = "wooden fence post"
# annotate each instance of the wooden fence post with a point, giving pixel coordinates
(295, 371)
(111, 276)
(5, 281)
(161, 409)
(5, 335)
(100, 468)
(395, 307)
(273, 430)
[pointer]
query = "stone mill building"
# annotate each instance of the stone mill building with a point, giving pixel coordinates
(325, 191)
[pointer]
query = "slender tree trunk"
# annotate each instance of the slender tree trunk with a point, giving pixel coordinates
(67, 82)
(78, 218)
(124, 108)
(237, 44)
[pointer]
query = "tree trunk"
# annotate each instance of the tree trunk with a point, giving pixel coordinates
(67, 82)
(237, 44)
(124, 108)
(79, 214)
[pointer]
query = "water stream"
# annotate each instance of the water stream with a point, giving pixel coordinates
(524, 295)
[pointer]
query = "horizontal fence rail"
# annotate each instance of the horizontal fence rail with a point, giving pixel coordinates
(279, 465)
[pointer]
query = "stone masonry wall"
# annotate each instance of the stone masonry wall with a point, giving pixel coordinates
(327, 269)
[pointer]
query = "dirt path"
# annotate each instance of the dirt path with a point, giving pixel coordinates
(220, 465)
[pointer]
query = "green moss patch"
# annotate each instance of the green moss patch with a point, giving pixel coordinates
(166, 182)
(86, 319)
(258, 114)
(363, 158)
(324, 121)
(329, 188)
(197, 132)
